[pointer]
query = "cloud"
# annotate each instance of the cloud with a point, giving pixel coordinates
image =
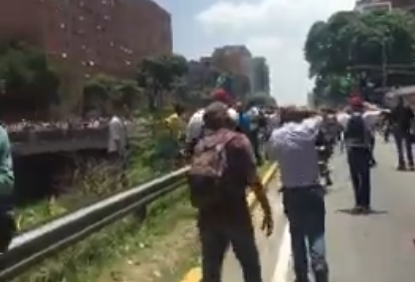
(275, 29)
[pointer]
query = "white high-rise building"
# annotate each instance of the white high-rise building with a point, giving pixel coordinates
(363, 6)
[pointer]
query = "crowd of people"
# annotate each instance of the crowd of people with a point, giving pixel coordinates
(222, 140)
(226, 141)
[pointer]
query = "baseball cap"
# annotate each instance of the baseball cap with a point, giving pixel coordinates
(221, 95)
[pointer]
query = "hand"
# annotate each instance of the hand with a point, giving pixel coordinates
(267, 224)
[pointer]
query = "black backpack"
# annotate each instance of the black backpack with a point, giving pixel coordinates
(356, 133)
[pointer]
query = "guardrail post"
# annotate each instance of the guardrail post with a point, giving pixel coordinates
(141, 213)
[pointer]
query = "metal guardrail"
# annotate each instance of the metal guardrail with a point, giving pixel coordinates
(35, 245)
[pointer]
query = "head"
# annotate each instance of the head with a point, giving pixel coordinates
(240, 108)
(356, 104)
(179, 109)
(294, 114)
(220, 95)
(216, 116)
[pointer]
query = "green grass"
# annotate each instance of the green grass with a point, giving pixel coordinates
(100, 256)
(85, 261)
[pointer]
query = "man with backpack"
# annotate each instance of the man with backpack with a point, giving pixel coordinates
(195, 126)
(222, 167)
(358, 144)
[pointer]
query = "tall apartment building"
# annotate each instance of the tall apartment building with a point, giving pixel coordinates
(109, 36)
(201, 74)
(363, 6)
(370, 5)
(261, 76)
(236, 61)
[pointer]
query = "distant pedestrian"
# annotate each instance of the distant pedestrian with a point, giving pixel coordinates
(221, 168)
(293, 147)
(401, 120)
(117, 145)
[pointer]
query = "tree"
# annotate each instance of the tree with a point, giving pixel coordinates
(27, 77)
(352, 47)
(102, 89)
(158, 74)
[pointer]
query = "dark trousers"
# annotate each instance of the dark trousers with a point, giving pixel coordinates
(8, 230)
(305, 211)
(215, 240)
(359, 160)
(372, 148)
(403, 143)
(254, 138)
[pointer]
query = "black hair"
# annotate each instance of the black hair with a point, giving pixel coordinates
(178, 108)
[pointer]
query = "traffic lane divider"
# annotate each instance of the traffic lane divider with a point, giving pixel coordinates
(195, 274)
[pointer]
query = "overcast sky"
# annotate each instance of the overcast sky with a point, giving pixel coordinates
(275, 29)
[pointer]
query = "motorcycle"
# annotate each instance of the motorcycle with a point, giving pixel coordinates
(324, 154)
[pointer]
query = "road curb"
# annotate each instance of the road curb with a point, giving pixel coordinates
(195, 274)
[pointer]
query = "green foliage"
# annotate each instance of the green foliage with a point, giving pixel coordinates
(27, 75)
(101, 89)
(158, 75)
(351, 47)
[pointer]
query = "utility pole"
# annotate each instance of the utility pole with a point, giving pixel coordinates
(384, 66)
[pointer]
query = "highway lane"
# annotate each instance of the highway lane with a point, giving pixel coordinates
(377, 247)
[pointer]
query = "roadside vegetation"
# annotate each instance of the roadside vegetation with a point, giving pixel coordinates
(367, 51)
(159, 248)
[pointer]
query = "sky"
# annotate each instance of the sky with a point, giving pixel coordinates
(275, 29)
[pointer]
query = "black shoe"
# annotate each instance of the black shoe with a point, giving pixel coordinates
(411, 167)
(321, 276)
(401, 167)
(357, 210)
(329, 182)
(366, 210)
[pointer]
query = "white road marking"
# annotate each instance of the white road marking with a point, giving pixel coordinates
(284, 255)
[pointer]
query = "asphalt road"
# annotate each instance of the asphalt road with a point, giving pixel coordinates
(377, 247)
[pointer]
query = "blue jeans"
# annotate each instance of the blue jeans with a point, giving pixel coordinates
(305, 211)
(359, 165)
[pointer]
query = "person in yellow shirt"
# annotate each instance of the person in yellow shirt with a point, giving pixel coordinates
(171, 136)
(175, 122)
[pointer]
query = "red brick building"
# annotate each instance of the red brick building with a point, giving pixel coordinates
(109, 36)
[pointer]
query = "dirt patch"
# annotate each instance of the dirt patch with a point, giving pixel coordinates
(163, 259)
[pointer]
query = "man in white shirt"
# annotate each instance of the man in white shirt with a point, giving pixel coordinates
(195, 126)
(117, 136)
(117, 147)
